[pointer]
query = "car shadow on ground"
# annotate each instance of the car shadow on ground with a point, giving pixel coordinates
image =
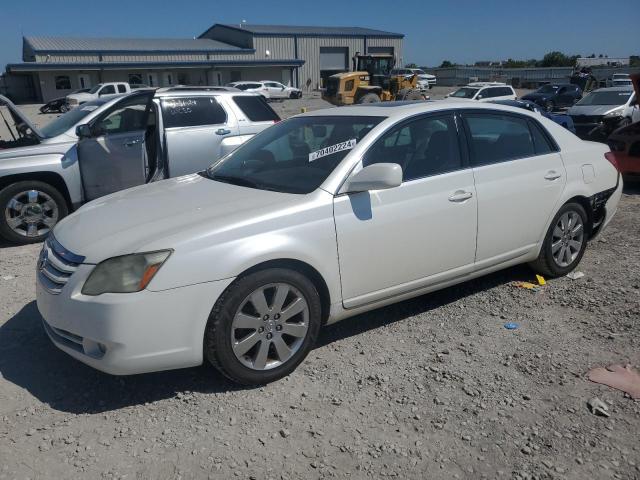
(631, 186)
(30, 361)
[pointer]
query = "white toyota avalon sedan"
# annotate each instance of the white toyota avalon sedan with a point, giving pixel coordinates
(318, 218)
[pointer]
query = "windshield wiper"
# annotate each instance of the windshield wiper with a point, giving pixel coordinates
(243, 182)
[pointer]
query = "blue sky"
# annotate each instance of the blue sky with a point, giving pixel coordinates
(461, 31)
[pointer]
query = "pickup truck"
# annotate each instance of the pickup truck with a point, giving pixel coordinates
(107, 145)
(105, 90)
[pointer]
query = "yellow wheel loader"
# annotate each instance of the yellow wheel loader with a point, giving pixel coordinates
(370, 82)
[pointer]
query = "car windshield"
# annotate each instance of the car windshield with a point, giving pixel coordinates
(68, 120)
(606, 98)
(547, 89)
(294, 156)
(95, 89)
(417, 71)
(465, 92)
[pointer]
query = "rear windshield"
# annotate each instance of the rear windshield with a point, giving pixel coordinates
(606, 98)
(256, 108)
(294, 156)
(465, 92)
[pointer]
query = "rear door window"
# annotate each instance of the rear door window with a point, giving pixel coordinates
(192, 112)
(498, 138)
(122, 88)
(256, 108)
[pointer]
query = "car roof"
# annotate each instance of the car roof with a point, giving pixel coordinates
(169, 92)
(623, 88)
(409, 108)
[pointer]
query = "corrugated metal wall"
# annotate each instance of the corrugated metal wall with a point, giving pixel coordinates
(396, 43)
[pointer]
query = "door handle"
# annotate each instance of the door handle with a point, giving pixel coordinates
(131, 143)
(552, 175)
(223, 131)
(460, 196)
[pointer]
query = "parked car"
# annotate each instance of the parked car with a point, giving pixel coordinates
(619, 80)
(602, 111)
(268, 89)
(121, 142)
(554, 96)
(59, 104)
(310, 223)
(485, 92)
(425, 80)
(624, 142)
(559, 118)
(106, 90)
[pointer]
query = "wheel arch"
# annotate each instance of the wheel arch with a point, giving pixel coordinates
(51, 178)
(302, 267)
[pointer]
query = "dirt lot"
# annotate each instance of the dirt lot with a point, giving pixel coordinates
(433, 388)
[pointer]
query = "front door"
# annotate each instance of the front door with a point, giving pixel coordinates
(84, 81)
(421, 233)
(152, 80)
(114, 158)
(197, 131)
(519, 178)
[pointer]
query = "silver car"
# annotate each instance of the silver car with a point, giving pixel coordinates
(105, 146)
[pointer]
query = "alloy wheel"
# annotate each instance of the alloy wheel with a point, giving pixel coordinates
(31, 213)
(270, 326)
(567, 239)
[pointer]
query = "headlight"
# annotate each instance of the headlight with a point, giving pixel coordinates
(126, 274)
(614, 114)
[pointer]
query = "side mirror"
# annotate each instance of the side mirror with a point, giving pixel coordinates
(379, 176)
(83, 131)
(479, 97)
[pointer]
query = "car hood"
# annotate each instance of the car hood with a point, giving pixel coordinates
(536, 96)
(4, 101)
(166, 214)
(592, 110)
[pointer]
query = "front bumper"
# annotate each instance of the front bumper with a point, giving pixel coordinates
(130, 333)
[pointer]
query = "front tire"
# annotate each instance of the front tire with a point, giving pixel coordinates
(565, 242)
(29, 210)
(64, 108)
(369, 98)
(263, 326)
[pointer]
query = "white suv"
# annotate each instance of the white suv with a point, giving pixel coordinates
(425, 80)
(485, 92)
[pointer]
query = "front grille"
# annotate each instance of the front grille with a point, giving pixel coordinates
(56, 264)
(332, 86)
(586, 118)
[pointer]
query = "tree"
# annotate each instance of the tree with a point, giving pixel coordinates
(634, 61)
(446, 64)
(558, 59)
(411, 65)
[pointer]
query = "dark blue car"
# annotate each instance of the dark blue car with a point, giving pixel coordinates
(559, 118)
(554, 96)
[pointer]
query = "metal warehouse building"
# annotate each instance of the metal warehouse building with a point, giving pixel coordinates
(295, 55)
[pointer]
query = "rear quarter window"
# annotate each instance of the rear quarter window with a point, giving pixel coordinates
(256, 108)
(192, 112)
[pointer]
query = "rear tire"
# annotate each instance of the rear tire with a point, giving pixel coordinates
(29, 210)
(369, 98)
(237, 318)
(64, 108)
(565, 242)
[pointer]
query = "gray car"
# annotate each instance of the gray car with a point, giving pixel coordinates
(109, 145)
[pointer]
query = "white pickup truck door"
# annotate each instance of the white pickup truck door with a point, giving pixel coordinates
(399, 240)
(195, 128)
(113, 158)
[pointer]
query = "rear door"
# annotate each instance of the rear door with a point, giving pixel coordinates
(196, 129)
(114, 157)
(519, 177)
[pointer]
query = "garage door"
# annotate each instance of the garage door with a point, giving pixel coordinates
(383, 50)
(334, 58)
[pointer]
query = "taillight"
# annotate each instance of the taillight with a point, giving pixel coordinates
(612, 159)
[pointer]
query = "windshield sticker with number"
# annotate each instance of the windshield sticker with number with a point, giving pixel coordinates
(331, 149)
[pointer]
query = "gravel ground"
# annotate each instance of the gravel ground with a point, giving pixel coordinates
(434, 387)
